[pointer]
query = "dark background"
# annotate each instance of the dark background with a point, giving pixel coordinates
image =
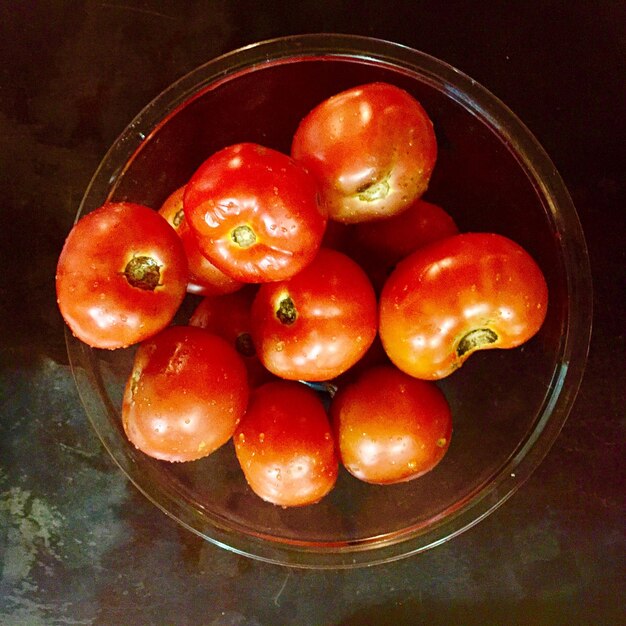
(78, 544)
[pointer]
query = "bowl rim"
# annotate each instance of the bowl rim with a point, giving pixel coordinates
(574, 345)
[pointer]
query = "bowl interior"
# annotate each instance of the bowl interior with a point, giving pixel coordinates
(507, 405)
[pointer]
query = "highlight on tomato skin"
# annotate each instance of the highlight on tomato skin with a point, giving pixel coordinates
(468, 292)
(389, 426)
(372, 148)
(285, 447)
(255, 213)
(121, 275)
(205, 279)
(319, 323)
(185, 396)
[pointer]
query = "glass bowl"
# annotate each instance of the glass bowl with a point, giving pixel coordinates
(491, 175)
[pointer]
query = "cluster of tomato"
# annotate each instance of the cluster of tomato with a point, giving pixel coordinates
(323, 266)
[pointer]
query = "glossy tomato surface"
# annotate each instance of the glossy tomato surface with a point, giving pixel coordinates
(204, 278)
(230, 317)
(121, 275)
(285, 446)
(255, 213)
(464, 293)
(317, 324)
(379, 245)
(390, 427)
(372, 148)
(185, 395)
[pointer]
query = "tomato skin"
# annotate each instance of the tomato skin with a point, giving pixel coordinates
(285, 446)
(479, 283)
(334, 325)
(229, 316)
(372, 148)
(390, 427)
(99, 304)
(185, 396)
(269, 196)
(378, 246)
(204, 278)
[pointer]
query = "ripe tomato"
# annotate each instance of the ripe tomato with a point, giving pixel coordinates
(284, 445)
(121, 275)
(229, 316)
(255, 213)
(204, 278)
(372, 148)
(461, 294)
(379, 245)
(317, 324)
(390, 427)
(185, 396)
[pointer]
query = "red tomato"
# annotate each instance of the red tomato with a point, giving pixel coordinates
(229, 316)
(317, 324)
(255, 213)
(204, 278)
(284, 445)
(390, 427)
(121, 275)
(379, 245)
(461, 294)
(185, 396)
(372, 148)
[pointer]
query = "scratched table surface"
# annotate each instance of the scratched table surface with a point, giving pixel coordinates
(78, 544)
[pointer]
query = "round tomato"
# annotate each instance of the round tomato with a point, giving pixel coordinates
(317, 324)
(121, 275)
(255, 213)
(379, 245)
(185, 395)
(285, 446)
(390, 427)
(204, 278)
(461, 294)
(372, 148)
(229, 316)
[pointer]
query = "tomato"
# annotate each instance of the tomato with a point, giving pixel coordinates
(204, 278)
(372, 148)
(229, 316)
(317, 324)
(285, 446)
(390, 427)
(379, 245)
(461, 294)
(255, 213)
(121, 275)
(185, 396)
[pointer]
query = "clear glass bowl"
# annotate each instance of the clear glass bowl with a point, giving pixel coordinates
(491, 175)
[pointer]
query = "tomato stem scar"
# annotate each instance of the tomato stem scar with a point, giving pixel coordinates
(244, 345)
(178, 218)
(243, 236)
(376, 191)
(475, 340)
(143, 272)
(286, 312)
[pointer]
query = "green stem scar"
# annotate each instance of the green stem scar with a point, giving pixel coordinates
(475, 339)
(143, 272)
(243, 236)
(286, 312)
(375, 191)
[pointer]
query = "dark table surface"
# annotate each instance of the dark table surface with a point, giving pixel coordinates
(78, 544)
